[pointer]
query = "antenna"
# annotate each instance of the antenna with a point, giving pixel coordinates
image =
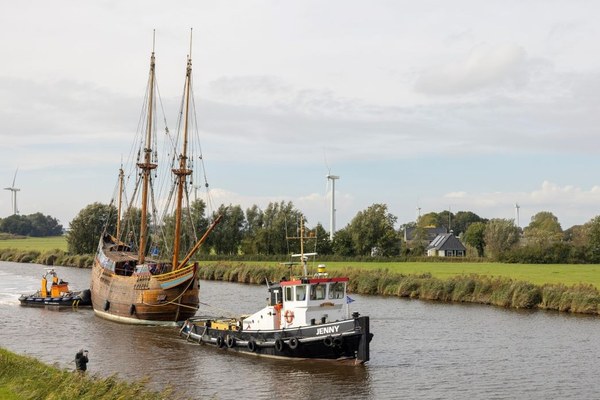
(418, 213)
(517, 207)
(332, 178)
(14, 191)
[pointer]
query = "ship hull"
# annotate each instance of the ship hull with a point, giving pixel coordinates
(144, 298)
(341, 341)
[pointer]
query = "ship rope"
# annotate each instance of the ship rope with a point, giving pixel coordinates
(222, 310)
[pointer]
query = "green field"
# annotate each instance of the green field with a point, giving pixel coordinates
(539, 274)
(36, 243)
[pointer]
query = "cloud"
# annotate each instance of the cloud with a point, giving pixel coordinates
(484, 66)
(571, 204)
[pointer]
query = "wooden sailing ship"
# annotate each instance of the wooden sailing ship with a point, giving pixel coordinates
(131, 282)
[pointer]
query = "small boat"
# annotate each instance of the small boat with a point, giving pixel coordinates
(59, 295)
(307, 317)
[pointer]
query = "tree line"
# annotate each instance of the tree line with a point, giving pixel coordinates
(37, 225)
(372, 232)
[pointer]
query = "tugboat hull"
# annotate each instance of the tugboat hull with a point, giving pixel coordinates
(346, 340)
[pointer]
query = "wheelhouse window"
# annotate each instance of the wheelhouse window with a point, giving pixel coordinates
(336, 290)
(300, 293)
(288, 293)
(317, 292)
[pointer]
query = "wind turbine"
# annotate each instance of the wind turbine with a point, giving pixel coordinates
(14, 191)
(332, 178)
(517, 207)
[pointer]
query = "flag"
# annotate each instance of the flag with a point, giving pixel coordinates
(349, 299)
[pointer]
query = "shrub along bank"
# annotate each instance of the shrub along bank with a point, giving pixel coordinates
(50, 257)
(26, 378)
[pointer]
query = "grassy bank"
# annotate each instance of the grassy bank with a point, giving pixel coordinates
(493, 290)
(49, 257)
(26, 378)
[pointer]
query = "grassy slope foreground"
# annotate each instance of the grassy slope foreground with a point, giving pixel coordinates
(25, 378)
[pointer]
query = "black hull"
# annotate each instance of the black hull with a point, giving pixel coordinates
(76, 300)
(346, 341)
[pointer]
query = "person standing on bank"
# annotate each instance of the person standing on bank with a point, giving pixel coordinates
(81, 360)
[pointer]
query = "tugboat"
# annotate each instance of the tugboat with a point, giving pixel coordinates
(58, 296)
(306, 318)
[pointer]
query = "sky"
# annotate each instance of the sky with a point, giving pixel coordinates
(430, 105)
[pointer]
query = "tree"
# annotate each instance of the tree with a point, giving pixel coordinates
(227, 235)
(475, 237)
(280, 221)
(593, 238)
(373, 229)
(545, 221)
(85, 229)
(342, 243)
(500, 236)
(463, 219)
(543, 231)
(36, 224)
(16, 224)
(252, 228)
(323, 245)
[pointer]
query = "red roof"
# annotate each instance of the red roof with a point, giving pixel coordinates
(313, 280)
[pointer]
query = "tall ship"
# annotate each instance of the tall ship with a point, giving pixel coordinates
(307, 316)
(142, 272)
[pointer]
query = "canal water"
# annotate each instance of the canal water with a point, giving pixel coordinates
(420, 349)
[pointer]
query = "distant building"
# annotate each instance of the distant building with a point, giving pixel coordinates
(429, 234)
(446, 245)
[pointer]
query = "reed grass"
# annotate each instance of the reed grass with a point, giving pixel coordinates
(25, 378)
(48, 257)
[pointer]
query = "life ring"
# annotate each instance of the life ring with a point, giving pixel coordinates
(230, 341)
(279, 345)
(289, 316)
(252, 345)
(220, 341)
(328, 341)
(293, 343)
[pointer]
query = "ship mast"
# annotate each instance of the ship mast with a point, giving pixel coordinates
(121, 175)
(182, 172)
(147, 165)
